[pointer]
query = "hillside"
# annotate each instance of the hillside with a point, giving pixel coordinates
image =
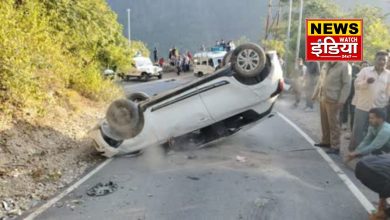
(52, 92)
(188, 24)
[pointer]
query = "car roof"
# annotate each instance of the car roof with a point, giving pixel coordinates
(141, 58)
(209, 54)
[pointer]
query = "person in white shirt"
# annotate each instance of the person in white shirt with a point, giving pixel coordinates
(372, 90)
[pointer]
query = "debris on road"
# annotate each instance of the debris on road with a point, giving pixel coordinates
(191, 157)
(6, 206)
(77, 202)
(241, 159)
(193, 178)
(101, 189)
(10, 208)
(59, 205)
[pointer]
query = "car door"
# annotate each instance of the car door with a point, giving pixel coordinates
(181, 114)
(226, 97)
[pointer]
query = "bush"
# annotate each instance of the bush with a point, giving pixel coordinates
(50, 46)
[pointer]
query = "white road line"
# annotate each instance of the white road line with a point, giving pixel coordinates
(54, 200)
(351, 186)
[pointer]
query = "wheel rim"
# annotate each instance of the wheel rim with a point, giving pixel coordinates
(248, 60)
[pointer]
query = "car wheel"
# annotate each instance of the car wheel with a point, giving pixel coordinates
(200, 74)
(227, 58)
(145, 76)
(248, 60)
(123, 119)
(137, 97)
(128, 78)
(159, 76)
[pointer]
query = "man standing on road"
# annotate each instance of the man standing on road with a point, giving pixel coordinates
(332, 90)
(298, 80)
(155, 55)
(377, 140)
(219, 65)
(372, 90)
(311, 77)
(374, 172)
(178, 65)
(346, 114)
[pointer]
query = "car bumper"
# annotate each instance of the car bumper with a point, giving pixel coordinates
(100, 144)
(143, 140)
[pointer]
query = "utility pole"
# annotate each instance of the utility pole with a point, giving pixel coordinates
(268, 22)
(299, 31)
(128, 26)
(288, 36)
(279, 13)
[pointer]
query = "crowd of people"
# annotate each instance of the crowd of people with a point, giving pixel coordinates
(358, 94)
(182, 61)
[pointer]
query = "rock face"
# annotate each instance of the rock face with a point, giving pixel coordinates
(188, 24)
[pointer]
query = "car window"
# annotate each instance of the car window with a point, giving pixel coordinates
(143, 62)
(211, 63)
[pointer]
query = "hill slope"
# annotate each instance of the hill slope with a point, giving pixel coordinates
(189, 24)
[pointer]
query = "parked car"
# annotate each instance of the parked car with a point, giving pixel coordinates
(237, 96)
(144, 69)
(206, 62)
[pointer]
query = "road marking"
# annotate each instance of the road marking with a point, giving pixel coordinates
(54, 200)
(351, 186)
(348, 182)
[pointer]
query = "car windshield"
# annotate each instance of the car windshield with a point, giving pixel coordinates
(143, 62)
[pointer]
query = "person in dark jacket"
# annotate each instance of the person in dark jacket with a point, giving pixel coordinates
(374, 172)
(347, 113)
(155, 55)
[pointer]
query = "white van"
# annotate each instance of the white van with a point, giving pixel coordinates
(206, 62)
(144, 69)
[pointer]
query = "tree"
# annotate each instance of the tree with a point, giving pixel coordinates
(241, 40)
(375, 39)
(51, 46)
(375, 30)
(276, 45)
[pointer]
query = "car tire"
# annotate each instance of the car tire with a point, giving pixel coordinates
(123, 119)
(200, 74)
(227, 58)
(248, 60)
(137, 97)
(159, 76)
(145, 76)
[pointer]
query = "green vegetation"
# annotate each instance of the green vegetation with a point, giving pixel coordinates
(273, 44)
(49, 48)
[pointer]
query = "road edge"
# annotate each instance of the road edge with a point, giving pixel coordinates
(57, 198)
(340, 173)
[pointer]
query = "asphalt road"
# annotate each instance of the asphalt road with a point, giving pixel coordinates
(281, 176)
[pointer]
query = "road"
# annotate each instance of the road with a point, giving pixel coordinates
(281, 176)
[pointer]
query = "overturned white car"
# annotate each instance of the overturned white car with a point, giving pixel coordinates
(240, 94)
